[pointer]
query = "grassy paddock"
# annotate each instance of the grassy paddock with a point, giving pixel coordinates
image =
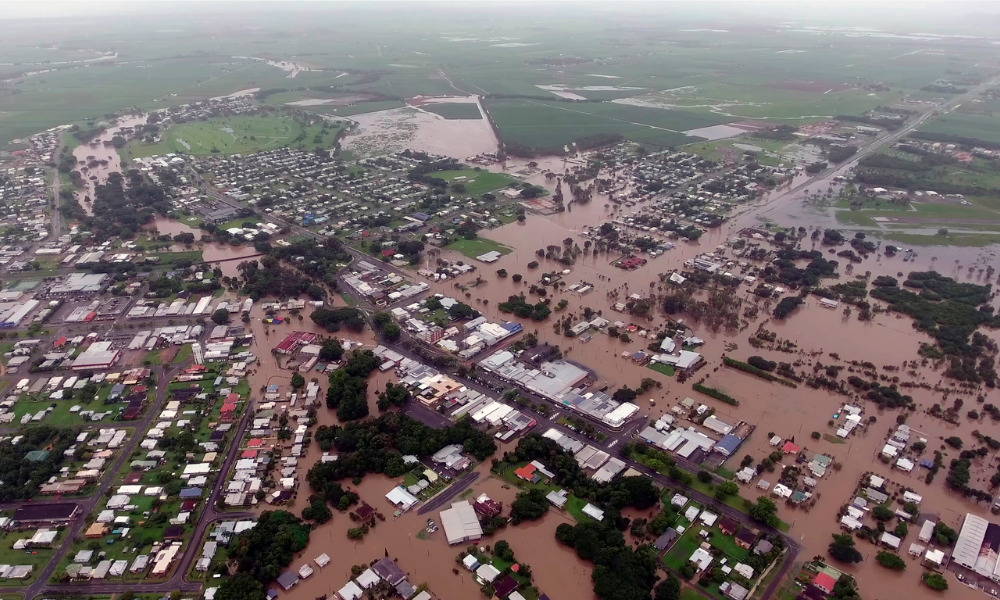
(475, 247)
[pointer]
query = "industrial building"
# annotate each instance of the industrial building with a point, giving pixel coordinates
(461, 523)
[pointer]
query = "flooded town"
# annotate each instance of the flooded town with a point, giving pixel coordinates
(406, 317)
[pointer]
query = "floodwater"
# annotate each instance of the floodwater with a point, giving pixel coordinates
(97, 160)
(227, 255)
(401, 128)
(889, 340)
(428, 560)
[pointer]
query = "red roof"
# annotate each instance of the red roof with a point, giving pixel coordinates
(824, 581)
(388, 252)
(60, 342)
(249, 454)
(255, 443)
(527, 472)
(228, 408)
(232, 398)
(790, 448)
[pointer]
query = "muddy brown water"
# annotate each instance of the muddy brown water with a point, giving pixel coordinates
(96, 150)
(791, 413)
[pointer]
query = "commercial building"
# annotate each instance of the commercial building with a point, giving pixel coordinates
(100, 355)
(461, 523)
(45, 514)
(978, 546)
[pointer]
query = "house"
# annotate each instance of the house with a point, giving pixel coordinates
(505, 586)
(470, 562)
(350, 591)
(890, 540)
(702, 558)
(388, 570)
(486, 507)
(666, 540)
(487, 573)
(728, 526)
(528, 473)
(745, 538)
(557, 498)
(734, 591)
(824, 582)
(763, 547)
(287, 580)
(593, 512)
(401, 499)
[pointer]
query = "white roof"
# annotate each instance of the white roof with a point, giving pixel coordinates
(461, 523)
(368, 579)
(322, 560)
(401, 498)
(487, 573)
(350, 591)
(970, 540)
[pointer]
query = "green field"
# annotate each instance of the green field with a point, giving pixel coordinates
(667, 370)
(975, 126)
(477, 247)
(236, 135)
(476, 183)
(550, 125)
(37, 557)
(454, 110)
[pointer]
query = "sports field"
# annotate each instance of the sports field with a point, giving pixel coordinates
(236, 135)
(478, 246)
(476, 183)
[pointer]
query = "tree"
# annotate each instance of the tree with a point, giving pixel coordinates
(726, 489)
(935, 581)
(298, 381)
(882, 513)
(391, 332)
(503, 551)
(530, 505)
(220, 317)
(668, 589)
(763, 511)
(240, 587)
(890, 561)
(318, 510)
(946, 536)
(266, 550)
(842, 549)
(331, 350)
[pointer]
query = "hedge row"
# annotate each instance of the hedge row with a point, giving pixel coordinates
(718, 395)
(748, 368)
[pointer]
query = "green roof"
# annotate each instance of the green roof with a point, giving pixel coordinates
(37, 455)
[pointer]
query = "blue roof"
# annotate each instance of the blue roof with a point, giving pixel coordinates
(513, 327)
(420, 216)
(730, 443)
(194, 492)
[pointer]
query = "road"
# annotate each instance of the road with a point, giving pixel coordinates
(210, 516)
(89, 505)
(459, 486)
(823, 178)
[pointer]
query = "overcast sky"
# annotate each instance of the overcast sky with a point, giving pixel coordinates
(782, 9)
